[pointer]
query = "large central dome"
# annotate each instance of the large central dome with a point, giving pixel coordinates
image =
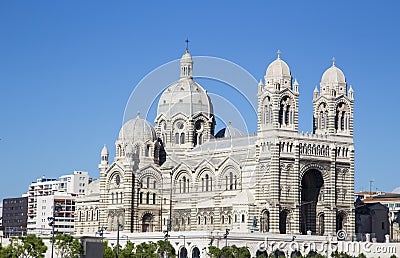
(185, 96)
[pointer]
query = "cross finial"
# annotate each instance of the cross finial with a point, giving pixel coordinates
(138, 113)
(187, 45)
(333, 61)
(279, 54)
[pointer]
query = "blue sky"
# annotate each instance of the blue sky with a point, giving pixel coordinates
(67, 69)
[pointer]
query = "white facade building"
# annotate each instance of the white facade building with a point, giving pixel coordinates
(45, 191)
(64, 218)
(75, 183)
(182, 175)
(87, 220)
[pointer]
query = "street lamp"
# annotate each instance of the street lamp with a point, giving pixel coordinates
(226, 236)
(117, 250)
(57, 208)
(101, 232)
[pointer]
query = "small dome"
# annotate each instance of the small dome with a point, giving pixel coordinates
(277, 69)
(186, 56)
(229, 132)
(333, 75)
(137, 130)
(104, 151)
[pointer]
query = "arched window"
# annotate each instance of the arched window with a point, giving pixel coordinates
(205, 220)
(137, 151)
(230, 219)
(198, 220)
(120, 197)
(112, 198)
(141, 197)
(235, 182)
(222, 219)
(116, 197)
(155, 184)
(182, 138)
(92, 214)
(177, 138)
(97, 214)
(211, 220)
(80, 216)
(147, 198)
(230, 181)
(207, 182)
(87, 215)
(285, 111)
(154, 198)
(243, 218)
(184, 184)
(148, 182)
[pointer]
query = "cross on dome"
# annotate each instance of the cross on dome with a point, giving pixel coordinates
(279, 54)
(333, 61)
(187, 45)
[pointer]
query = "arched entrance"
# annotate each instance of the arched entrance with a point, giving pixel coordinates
(183, 253)
(196, 253)
(147, 223)
(311, 184)
(283, 220)
(264, 223)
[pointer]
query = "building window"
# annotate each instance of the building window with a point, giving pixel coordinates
(243, 218)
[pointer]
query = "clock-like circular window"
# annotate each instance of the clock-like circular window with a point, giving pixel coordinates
(180, 125)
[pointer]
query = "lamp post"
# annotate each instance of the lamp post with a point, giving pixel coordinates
(101, 232)
(56, 209)
(118, 227)
(226, 237)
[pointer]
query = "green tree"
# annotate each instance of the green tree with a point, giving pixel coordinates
(67, 246)
(7, 252)
(214, 252)
(27, 246)
(148, 250)
(108, 251)
(128, 251)
(166, 247)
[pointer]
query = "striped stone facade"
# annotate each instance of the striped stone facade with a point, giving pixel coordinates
(178, 176)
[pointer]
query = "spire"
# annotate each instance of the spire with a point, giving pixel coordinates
(279, 54)
(186, 63)
(187, 45)
(104, 155)
(350, 94)
(333, 61)
(315, 92)
(138, 113)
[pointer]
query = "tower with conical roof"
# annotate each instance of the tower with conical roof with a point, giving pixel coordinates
(333, 104)
(278, 98)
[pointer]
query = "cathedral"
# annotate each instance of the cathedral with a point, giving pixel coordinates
(181, 175)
